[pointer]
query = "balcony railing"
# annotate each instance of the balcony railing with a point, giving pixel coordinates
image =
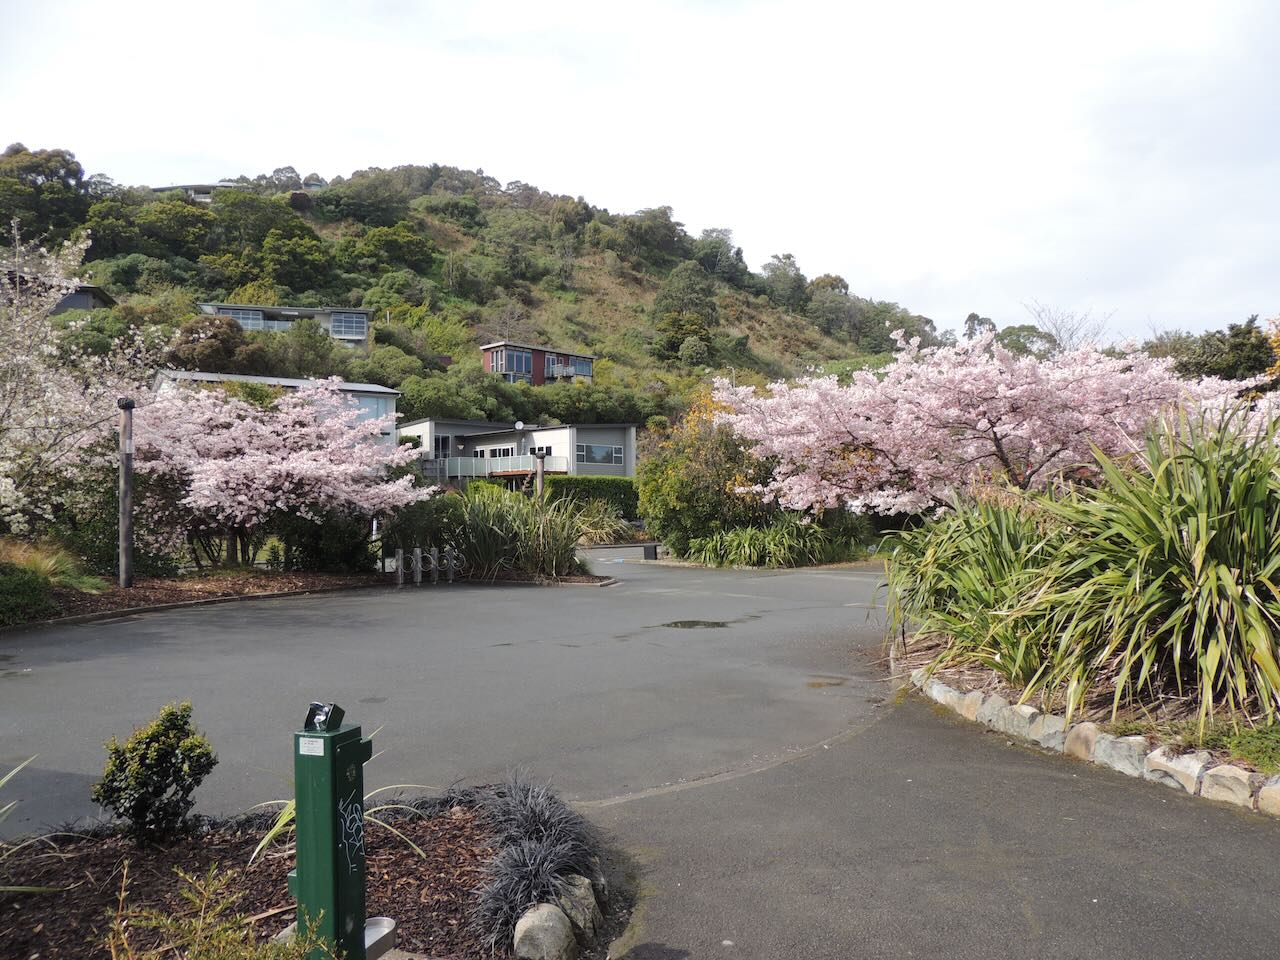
(445, 468)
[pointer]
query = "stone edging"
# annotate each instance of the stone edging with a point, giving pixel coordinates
(1194, 773)
(553, 931)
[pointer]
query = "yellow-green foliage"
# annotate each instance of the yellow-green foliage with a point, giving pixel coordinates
(148, 780)
(52, 563)
(208, 926)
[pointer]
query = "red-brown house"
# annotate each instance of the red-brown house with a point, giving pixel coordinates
(536, 365)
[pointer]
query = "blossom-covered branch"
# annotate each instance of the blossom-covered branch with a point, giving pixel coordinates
(936, 420)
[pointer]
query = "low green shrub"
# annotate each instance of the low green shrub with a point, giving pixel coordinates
(25, 595)
(619, 492)
(148, 780)
(1259, 747)
(426, 524)
(336, 543)
(205, 925)
(787, 542)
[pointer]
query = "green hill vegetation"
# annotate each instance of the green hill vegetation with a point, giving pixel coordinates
(447, 259)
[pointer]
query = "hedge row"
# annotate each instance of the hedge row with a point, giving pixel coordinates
(618, 492)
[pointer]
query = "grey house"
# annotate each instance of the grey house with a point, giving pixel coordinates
(375, 401)
(347, 325)
(461, 449)
(86, 296)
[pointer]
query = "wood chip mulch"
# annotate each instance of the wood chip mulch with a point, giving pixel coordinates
(429, 896)
(151, 591)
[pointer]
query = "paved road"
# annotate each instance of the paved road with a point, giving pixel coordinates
(778, 802)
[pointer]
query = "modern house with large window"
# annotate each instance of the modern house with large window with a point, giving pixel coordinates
(375, 400)
(347, 325)
(199, 192)
(461, 449)
(536, 365)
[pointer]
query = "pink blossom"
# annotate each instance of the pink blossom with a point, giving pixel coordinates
(937, 420)
(240, 465)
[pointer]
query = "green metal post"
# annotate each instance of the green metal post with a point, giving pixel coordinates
(329, 786)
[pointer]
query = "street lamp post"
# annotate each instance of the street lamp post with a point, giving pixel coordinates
(125, 545)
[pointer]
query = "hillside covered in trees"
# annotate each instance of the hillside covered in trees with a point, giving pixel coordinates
(447, 259)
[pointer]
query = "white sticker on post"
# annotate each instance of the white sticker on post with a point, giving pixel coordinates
(311, 746)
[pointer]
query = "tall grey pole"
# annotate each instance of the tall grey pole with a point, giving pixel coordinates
(540, 469)
(125, 546)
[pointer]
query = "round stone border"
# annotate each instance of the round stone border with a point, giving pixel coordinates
(1194, 773)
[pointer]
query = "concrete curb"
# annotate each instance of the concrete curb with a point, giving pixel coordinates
(1192, 773)
(205, 601)
(181, 604)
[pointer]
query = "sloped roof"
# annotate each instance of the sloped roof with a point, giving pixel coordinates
(199, 376)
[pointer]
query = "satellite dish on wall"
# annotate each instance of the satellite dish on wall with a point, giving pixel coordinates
(519, 424)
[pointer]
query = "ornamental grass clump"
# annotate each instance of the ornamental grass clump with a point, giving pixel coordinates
(500, 530)
(787, 542)
(1160, 583)
(543, 842)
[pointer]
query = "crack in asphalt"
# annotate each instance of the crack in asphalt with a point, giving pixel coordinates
(726, 776)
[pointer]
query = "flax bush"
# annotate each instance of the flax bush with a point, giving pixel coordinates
(1163, 581)
(500, 530)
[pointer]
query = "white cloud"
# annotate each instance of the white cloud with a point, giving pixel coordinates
(952, 157)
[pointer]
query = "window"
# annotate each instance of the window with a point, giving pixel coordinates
(276, 325)
(581, 367)
(477, 454)
(248, 319)
(549, 362)
(500, 451)
(599, 453)
(349, 326)
(543, 450)
(442, 446)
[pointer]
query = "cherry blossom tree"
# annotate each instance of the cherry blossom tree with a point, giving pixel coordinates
(55, 399)
(936, 420)
(237, 466)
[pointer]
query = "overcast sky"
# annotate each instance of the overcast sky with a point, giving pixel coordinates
(1120, 157)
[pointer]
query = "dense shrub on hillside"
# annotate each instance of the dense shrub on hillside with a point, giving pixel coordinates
(690, 487)
(24, 595)
(618, 492)
(1161, 582)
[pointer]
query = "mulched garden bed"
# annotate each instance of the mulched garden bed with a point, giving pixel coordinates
(430, 896)
(152, 591)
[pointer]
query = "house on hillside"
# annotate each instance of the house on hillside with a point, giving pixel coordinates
(375, 400)
(199, 192)
(86, 296)
(348, 325)
(458, 450)
(536, 365)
